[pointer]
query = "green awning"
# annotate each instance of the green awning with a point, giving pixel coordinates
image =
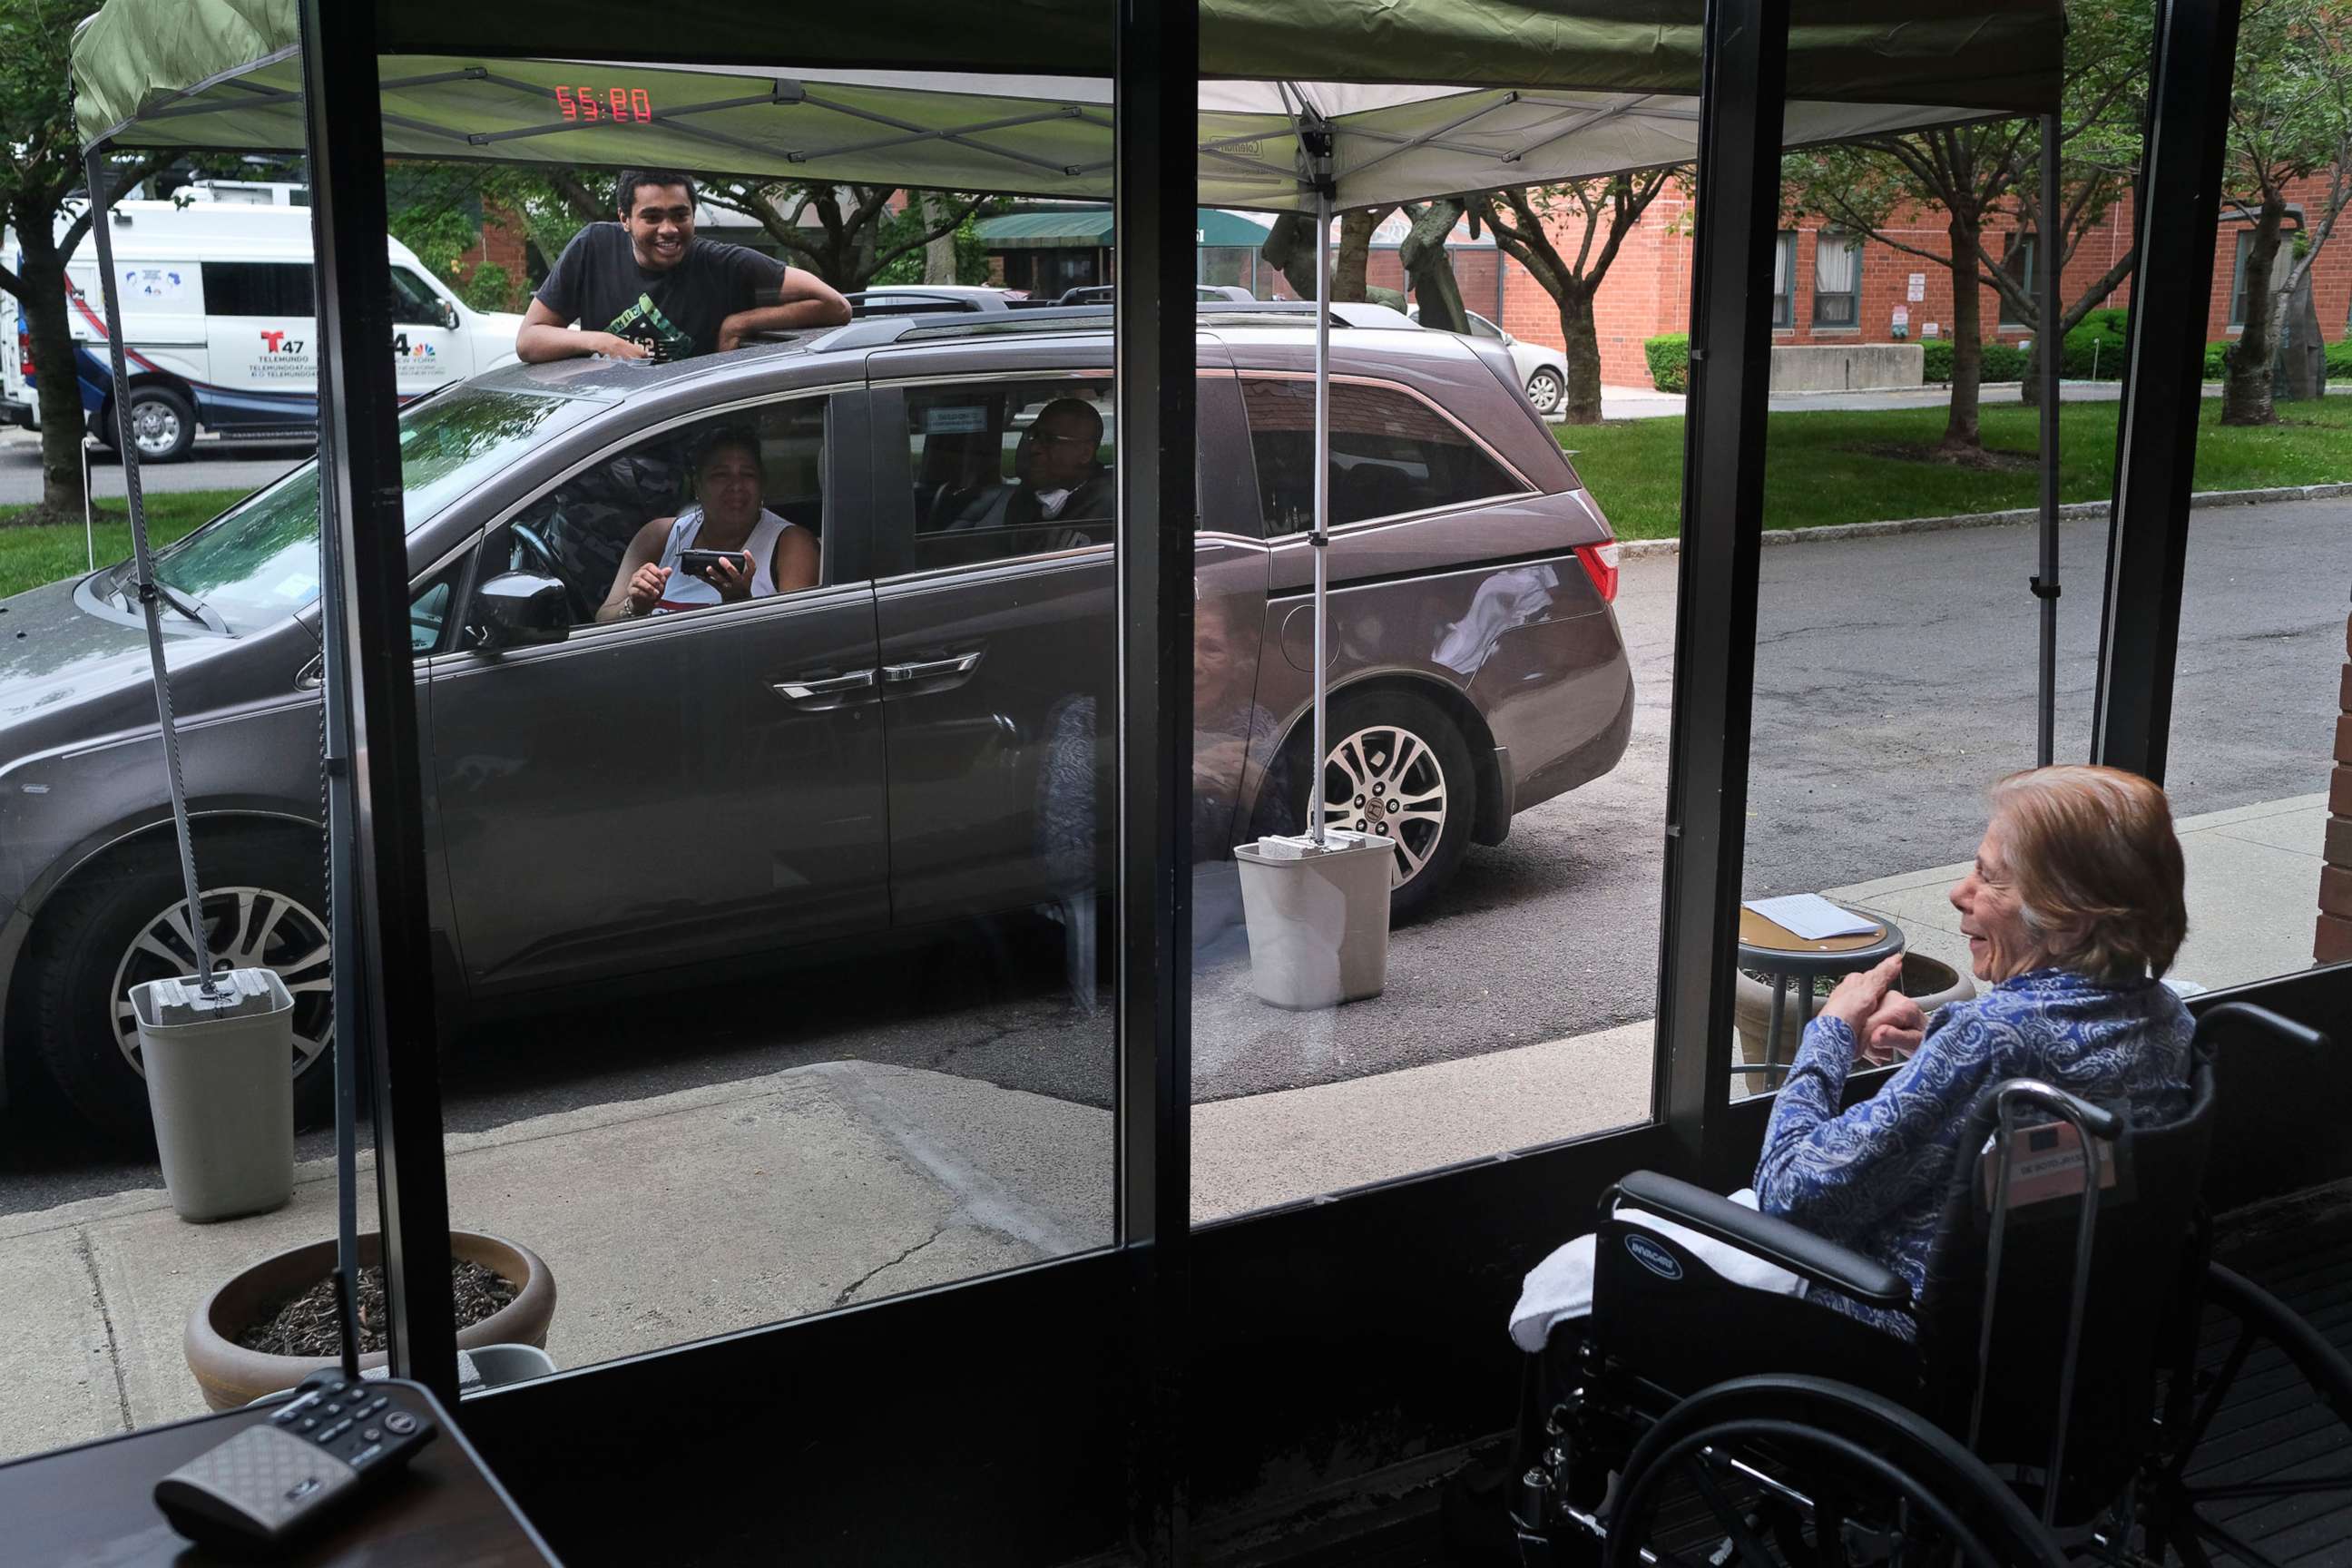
(1081, 228)
(1423, 97)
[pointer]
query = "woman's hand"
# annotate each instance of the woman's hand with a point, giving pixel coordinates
(646, 587)
(1894, 1031)
(733, 586)
(1858, 997)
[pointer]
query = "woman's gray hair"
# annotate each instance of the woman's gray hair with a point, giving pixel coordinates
(2097, 868)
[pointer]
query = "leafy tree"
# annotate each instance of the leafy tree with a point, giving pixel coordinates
(2290, 118)
(966, 261)
(42, 198)
(856, 234)
(1991, 172)
(1531, 221)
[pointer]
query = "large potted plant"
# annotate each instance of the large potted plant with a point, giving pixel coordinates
(232, 1373)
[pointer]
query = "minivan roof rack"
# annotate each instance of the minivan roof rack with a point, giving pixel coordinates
(934, 326)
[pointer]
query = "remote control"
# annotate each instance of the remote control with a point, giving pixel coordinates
(316, 1455)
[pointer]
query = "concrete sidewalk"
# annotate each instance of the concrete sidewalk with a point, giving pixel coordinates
(710, 1209)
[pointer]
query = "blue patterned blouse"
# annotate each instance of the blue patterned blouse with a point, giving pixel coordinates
(1872, 1178)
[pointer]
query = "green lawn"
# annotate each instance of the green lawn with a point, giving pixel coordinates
(30, 556)
(1828, 467)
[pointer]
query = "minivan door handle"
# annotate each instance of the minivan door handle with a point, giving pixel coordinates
(932, 668)
(824, 691)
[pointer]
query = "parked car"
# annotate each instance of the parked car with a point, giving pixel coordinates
(1542, 371)
(217, 319)
(1205, 293)
(925, 737)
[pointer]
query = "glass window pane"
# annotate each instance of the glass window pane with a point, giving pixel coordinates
(1391, 453)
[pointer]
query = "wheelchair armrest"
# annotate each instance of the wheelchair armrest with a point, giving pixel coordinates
(1794, 1248)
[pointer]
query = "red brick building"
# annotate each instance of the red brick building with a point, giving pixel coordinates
(1860, 293)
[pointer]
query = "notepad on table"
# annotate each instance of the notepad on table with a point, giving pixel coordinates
(1812, 917)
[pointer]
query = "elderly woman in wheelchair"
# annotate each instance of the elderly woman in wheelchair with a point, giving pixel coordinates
(1879, 1355)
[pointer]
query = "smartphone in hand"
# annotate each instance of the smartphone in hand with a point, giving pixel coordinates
(702, 563)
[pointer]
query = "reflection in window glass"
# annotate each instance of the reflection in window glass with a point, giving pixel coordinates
(1391, 453)
(1477, 971)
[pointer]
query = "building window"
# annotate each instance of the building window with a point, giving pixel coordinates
(2018, 263)
(2238, 279)
(1784, 279)
(1837, 280)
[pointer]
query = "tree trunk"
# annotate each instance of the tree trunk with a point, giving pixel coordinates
(1354, 256)
(43, 308)
(1581, 404)
(2246, 385)
(1428, 267)
(939, 254)
(1289, 249)
(1960, 432)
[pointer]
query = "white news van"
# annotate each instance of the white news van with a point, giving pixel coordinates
(219, 327)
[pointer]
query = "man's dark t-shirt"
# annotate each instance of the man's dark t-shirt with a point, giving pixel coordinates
(677, 313)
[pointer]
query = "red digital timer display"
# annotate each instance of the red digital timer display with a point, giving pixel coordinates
(622, 105)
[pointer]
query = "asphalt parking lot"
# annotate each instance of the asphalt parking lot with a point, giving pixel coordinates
(1895, 680)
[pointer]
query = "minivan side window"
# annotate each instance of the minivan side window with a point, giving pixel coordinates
(1391, 453)
(1008, 468)
(257, 289)
(580, 532)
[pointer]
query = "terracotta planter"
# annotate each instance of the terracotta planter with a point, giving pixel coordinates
(1930, 984)
(230, 1375)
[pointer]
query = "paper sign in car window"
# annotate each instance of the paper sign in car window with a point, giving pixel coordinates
(955, 419)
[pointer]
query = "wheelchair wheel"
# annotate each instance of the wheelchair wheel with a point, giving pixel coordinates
(2255, 1464)
(1801, 1472)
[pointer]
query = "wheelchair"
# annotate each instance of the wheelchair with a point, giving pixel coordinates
(2085, 1385)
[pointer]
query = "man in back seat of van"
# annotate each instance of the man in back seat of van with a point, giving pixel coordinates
(644, 288)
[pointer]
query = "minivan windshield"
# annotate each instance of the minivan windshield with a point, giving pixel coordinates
(258, 562)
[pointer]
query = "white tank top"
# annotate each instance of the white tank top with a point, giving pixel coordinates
(684, 591)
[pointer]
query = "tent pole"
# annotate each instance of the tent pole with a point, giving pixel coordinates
(144, 560)
(1320, 538)
(2053, 352)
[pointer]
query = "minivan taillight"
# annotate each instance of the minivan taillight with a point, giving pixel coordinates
(1600, 565)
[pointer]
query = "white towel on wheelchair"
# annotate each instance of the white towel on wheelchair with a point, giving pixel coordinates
(1560, 1287)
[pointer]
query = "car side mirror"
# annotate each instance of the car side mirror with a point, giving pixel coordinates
(518, 609)
(449, 315)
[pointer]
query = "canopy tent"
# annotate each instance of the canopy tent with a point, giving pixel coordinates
(1305, 105)
(1425, 97)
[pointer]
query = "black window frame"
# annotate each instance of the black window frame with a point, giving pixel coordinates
(2017, 261)
(1851, 297)
(1784, 301)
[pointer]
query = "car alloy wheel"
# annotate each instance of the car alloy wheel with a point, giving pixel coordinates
(1386, 780)
(155, 425)
(1545, 392)
(245, 928)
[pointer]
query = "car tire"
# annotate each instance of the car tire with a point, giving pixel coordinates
(1546, 390)
(1387, 739)
(269, 886)
(162, 422)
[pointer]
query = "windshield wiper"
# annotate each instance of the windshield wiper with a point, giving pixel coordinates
(192, 609)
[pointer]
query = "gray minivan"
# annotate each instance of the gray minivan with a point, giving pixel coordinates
(924, 736)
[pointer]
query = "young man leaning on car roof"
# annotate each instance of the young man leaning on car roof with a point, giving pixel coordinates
(646, 288)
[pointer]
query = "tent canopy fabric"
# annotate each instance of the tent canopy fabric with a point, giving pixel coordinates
(1090, 228)
(1425, 97)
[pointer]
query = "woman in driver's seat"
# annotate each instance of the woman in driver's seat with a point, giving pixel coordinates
(727, 516)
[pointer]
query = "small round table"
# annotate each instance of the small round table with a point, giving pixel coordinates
(1794, 963)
